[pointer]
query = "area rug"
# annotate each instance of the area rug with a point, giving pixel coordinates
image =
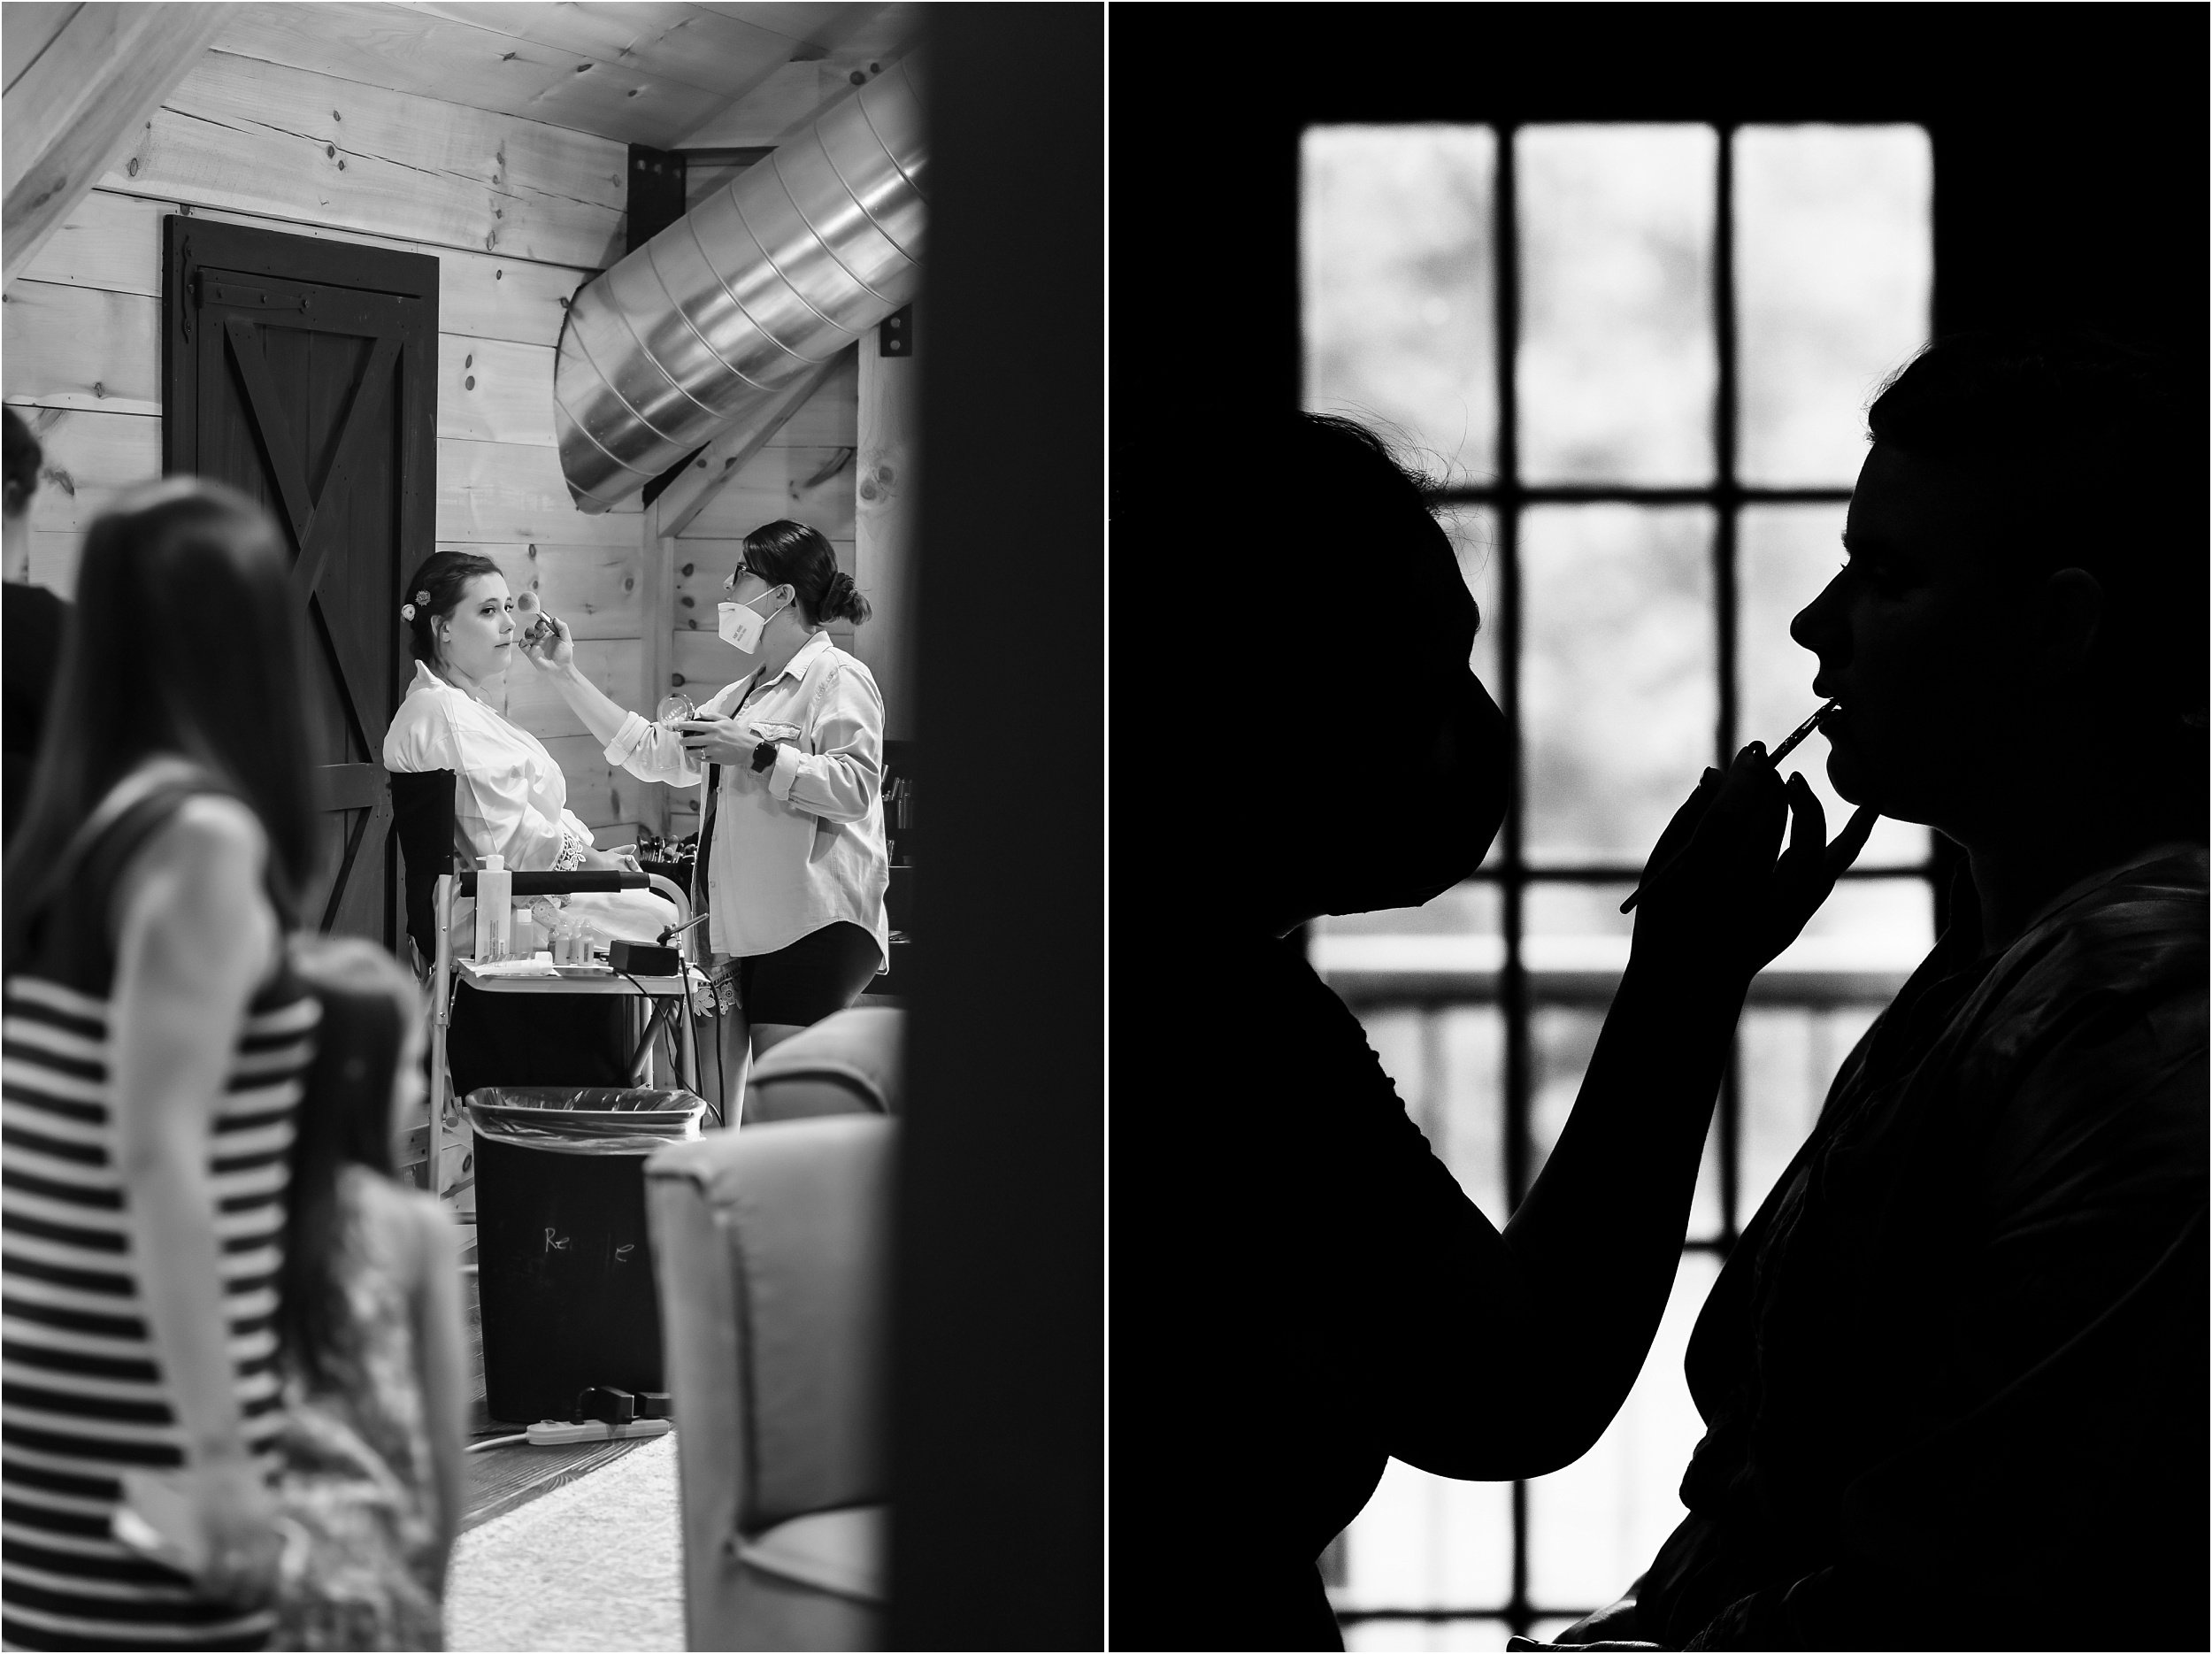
(597, 1564)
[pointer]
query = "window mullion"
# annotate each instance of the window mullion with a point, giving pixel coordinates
(1727, 735)
(1513, 977)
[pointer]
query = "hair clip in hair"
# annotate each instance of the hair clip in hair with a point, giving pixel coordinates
(422, 597)
(407, 612)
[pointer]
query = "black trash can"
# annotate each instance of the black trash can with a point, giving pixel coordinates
(565, 1265)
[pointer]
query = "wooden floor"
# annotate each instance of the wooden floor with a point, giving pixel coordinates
(501, 1479)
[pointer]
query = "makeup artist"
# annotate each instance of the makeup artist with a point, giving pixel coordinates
(793, 865)
(1300, 1290)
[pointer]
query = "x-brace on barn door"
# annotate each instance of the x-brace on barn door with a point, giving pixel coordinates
(304, 371)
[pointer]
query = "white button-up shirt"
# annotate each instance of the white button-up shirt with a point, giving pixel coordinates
(510, 797)
(799, 845)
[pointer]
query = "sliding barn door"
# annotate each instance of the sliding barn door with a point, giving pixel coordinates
(304, 371)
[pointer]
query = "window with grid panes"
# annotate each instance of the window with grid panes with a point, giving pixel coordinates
(1638, 357)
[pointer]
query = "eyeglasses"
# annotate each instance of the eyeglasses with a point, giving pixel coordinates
(742, 569)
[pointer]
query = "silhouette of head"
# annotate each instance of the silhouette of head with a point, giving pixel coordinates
(2023, 605)
(1375, 762)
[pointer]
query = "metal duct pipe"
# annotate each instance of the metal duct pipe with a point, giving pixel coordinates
(756, 286)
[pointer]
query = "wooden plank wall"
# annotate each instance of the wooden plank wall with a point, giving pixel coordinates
(887, 531)
(804, 472)
(518, 214)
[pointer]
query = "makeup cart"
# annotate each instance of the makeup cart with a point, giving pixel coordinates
(423, 804)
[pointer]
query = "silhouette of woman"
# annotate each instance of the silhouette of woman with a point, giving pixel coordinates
(1340, 756)
(1954, 1375)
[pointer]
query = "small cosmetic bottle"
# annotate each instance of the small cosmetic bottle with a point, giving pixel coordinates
(494, 911)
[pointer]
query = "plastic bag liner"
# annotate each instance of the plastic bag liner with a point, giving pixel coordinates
(585, 1120)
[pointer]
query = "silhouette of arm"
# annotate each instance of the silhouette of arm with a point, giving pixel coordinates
(1556, 1315)
(1575, 1286)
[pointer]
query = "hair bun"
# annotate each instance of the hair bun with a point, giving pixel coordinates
(841, 600)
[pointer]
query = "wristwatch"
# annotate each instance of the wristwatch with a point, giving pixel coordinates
(763, 757)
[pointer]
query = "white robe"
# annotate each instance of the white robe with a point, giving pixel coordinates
(509, 799)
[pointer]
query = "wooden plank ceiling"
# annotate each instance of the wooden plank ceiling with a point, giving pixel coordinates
(660, 73)
(102, 70)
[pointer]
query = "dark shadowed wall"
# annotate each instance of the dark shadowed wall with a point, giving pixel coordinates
(999, 1407)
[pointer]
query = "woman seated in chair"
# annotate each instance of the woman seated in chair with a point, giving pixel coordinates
(510, 800)
(1954, 1375)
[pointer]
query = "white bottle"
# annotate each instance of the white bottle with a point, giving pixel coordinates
(494, 914)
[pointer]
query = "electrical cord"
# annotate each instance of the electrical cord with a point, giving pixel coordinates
(689, 1011)
(497, 1441)
(721, 1081)
(683, 976)
(721, 1076)
(683, 970)
(652, 1026)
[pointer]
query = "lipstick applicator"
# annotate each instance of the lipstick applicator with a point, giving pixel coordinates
(1790, 743)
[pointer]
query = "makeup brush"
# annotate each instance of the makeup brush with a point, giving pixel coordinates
(1789, 744)
(534, 618)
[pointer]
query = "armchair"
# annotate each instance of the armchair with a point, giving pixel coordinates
(772, 1249)
(845, 1063)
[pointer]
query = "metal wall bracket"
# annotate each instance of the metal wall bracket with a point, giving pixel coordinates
(657, 193)
(895, 335)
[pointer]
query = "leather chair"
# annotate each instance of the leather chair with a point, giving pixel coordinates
(850, 1063)
(771, 1251)
(422, 818)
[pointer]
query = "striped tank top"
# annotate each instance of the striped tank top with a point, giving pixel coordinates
(82, 1397)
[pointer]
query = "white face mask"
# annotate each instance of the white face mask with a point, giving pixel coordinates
(741, 625)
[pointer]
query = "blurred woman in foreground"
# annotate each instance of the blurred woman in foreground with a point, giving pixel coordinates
(155, 1041)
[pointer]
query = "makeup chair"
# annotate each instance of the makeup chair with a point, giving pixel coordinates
(422, 807)
(771, 1251)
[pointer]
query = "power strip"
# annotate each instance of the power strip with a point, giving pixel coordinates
(552, 1432)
